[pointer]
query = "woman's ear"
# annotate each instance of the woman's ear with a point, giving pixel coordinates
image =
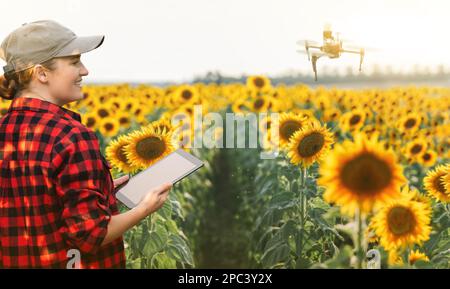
(41, 73)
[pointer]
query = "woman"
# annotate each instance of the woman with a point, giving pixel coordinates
(56, 190)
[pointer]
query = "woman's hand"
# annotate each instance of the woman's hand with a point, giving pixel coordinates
(121, 180)
(150, 203)
(154, 199)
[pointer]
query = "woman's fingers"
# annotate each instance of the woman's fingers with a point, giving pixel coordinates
(164, 188)
(121, 180)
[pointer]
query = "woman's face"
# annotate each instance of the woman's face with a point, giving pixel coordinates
(64, 82)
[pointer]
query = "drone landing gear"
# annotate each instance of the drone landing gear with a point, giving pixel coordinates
(314, 61)
(361, 58)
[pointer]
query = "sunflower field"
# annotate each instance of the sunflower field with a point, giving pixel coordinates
(361, 178)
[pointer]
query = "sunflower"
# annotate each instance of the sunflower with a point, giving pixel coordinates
(360, 174)
(240, 106)
(428, 158)
(123, 118)
(394, 258)
(353, 120)
(415, 256)
(102, 111)
(259, 104)
(258, 83)
(435, 185)
(139, 113)
(309, 144)
(90, 120)
(265, 124)
(289, 123)
(185, 94)
(115, 153)
(331, 114)
(147, 146)
(415, 148)
(402, 223)
(409, 123)
(109, 127)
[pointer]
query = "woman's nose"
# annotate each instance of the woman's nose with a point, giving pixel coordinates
(84, 71)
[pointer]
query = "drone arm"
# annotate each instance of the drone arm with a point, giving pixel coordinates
(351, 51)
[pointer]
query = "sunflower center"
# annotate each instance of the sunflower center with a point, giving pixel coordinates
(258, 103)
(103, 113)
(426, 157)
(90, 122)
(288, 128)
(311, 144)
(259, 82)
(410, 123)
(416, 149)
(109, 126)
(355, 119)
(150, 147)
(400, 220)
(124, 120)
(366, 174)
(439, 184)
(186, 94)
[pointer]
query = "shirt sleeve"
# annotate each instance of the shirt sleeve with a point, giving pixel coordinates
(79, 177)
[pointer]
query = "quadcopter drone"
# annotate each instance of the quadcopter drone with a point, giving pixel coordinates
(331, 47)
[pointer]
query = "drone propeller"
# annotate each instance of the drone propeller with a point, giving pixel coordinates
(308, 42)
(358, 48)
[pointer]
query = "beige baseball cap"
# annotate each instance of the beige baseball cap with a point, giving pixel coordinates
(36, 42)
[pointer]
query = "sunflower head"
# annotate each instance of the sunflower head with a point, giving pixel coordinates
(309, 144)
(416, 255)
(109, 126)
(360, 174)
(115, 153)
(353, 120)
(428, 158)
(409, 123)
(289, 123)
(415, 148)
(402, 223)
(259, 104)
(147, 146)
(258, 83)
(436, 182)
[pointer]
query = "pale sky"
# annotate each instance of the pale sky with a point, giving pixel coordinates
(175, 40)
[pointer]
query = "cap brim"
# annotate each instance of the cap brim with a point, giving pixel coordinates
(81, 44)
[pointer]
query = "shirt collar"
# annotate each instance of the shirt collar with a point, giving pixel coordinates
(36, 104)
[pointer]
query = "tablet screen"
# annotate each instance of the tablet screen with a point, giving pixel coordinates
(172, 168)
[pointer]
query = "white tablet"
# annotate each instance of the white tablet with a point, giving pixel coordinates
(171, 169)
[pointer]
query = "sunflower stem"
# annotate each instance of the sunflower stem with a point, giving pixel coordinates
(359, 249)
(302, 208)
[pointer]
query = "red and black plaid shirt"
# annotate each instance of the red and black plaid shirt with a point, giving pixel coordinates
(56, 190)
